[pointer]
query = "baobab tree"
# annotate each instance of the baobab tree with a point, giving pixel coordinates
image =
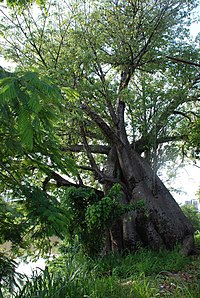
(129, 79)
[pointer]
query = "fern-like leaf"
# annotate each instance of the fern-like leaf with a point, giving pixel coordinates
(7, 89)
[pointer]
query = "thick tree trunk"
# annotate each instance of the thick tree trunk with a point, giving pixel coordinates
(163, 225)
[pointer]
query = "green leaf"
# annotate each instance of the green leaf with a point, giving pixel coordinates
(34, 103)
(71, 94)
(7, 89)
(25, 128)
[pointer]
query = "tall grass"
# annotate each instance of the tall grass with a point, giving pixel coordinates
(145, 274)
(48, 285)
(143, 261)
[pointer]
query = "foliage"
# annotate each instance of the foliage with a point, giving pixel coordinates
(9, 278)
(43, 284)
(198, 194)
(193, 142)
(90, 216)
(75, 202)
(20, 4)
(143, 261)
(102, 214)
(74, 275)
(193, 214)
(72, 283)
(29, 107)
(11, 224)
(31, 220)
(197, 239)
(93, 45)
(27, 100)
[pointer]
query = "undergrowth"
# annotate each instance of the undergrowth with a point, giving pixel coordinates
(145, 274)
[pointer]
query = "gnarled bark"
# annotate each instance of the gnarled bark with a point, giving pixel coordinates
(163, 225)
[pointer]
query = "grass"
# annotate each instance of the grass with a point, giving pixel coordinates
(146, 274)
(143, 261)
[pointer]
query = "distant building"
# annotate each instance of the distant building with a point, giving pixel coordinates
(193, 202)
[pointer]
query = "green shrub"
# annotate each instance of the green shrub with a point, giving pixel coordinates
(197, 238)
(193, 215)
(90, 216)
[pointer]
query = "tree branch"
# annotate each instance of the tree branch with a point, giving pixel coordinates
(61, 42)
(89, 154)
(101, 75)
(182, 114)
(142, 144)
(86, 168)
(101, 149)
(31, 41)
(102, 124)
(60, 181)
(178, 60)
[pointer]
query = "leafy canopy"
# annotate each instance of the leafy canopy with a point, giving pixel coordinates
(89, 45)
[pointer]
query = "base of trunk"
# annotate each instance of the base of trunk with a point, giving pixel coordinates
(138, 229)
(162, 224)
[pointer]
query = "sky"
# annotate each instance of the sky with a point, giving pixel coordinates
(187, 178)
(188, 181)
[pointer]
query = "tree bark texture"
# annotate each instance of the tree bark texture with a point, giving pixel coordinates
(163, 225)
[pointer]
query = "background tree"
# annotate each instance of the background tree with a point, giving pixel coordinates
(193, 214)
(131, 102)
